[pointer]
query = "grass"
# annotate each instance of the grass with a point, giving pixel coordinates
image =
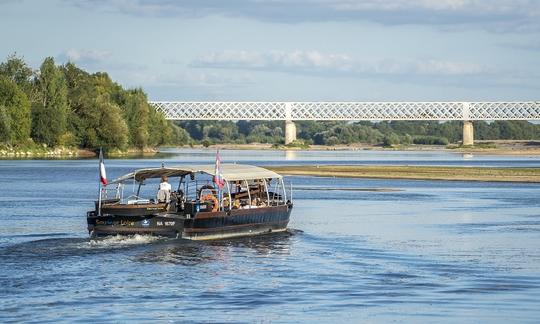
(415, 172)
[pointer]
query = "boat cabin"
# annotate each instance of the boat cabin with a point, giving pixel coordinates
(194, 189)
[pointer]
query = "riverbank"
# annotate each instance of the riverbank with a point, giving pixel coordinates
(68, 153)
(531, 175)
(498, 147)
(43, 152)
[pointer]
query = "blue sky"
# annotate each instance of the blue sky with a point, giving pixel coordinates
(290, 50)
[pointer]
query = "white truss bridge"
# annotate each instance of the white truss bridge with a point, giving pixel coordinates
(291, 111)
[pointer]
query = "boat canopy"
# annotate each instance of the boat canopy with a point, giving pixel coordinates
(229, 172)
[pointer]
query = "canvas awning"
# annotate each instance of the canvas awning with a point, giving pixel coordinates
(230, 172)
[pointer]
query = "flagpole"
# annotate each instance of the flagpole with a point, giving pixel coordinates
(218, 177)
(99, 187)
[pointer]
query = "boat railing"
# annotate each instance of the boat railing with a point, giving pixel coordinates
(290, 191)
(112, 193)
(193, 188)
(135, 200)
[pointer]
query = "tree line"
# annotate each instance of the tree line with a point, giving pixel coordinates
(63, 105)
(342, 132)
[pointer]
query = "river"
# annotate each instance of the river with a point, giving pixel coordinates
(431, 251)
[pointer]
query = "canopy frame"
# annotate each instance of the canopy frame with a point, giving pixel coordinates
(229, 172)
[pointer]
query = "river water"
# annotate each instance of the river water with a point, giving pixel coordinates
(431, 251)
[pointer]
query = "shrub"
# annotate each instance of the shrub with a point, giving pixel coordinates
(430, 140)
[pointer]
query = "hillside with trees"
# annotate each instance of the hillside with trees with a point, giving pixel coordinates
(65, 106)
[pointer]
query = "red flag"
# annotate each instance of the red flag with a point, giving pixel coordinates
(218, 179)
(102, 173)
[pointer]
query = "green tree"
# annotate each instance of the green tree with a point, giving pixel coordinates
(16, 69)
(5, 125)
(112, 131)
(50, 112)
(136, 111)
(81, 95)
(16, 128)
(391, 139)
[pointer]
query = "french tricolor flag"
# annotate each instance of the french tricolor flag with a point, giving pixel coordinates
(102, 173)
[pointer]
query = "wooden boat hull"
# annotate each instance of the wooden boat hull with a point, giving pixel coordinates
(160, 225)
(201, 226)
(237, 222)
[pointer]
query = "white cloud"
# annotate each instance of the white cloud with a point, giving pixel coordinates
(315, 62)
(98, 60)
(197, 78)
(86, 55)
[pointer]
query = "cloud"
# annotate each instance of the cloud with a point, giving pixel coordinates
(315, 62)
(85, 55)
(195, 85)
(426, 72)
(96, 60)
(201, 78)
(493, 15)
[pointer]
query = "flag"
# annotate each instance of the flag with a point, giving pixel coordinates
(102, 173)
(218, 179)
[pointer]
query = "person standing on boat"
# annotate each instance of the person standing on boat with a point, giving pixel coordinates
(164, 192)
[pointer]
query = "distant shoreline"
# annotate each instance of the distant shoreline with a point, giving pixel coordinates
(500, 147)
(526, 175)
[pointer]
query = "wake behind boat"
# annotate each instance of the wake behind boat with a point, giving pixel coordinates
(208, 202)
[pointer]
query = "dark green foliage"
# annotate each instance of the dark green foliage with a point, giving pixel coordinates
(5, 125)
(136, 111)
(341, 132)
(15, 113)
(50, 111)
(71, 107)
(333, 133)
(16, 69)
(112, 131)
(430, 140)
(503, 129)
(234, 132)
(391, 139)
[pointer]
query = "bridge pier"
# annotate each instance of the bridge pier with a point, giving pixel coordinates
(468, 133)
(290, 132)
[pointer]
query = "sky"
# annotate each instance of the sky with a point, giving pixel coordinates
(289, 50)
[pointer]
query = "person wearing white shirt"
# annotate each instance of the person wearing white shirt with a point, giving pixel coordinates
(164, 192)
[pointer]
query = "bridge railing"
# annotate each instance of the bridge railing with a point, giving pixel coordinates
(223, 110)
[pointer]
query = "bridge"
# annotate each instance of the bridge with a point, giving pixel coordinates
(352, 111)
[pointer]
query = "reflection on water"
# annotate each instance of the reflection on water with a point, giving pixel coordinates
(291, 155)
(370, 157)
(416, 251)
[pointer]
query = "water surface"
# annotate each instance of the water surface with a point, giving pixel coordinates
(429, 251)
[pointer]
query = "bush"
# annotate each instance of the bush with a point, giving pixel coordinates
(298, 143)
(430, 140)
(206, 143)
(391, 139)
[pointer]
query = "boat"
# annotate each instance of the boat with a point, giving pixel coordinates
(246, 200)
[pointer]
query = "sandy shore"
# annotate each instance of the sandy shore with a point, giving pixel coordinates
(500, 147)
(415, 172)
